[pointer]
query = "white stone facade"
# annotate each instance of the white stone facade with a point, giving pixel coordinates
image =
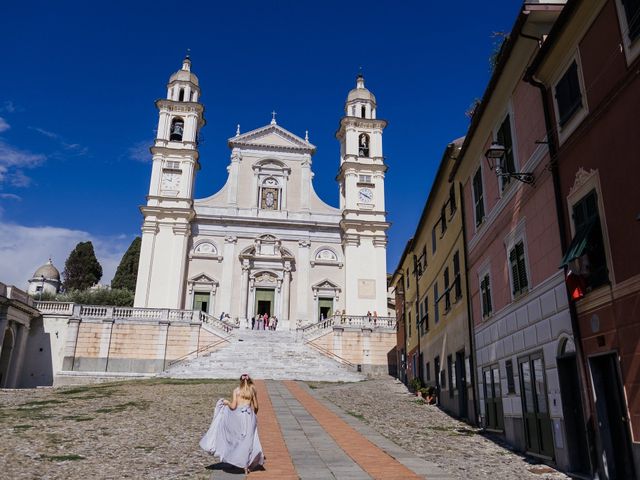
(265, 241)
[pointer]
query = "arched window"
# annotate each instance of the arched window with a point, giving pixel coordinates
(177, 129)
(363, 111)
(363, 143)
(181, 97)
(270, 194)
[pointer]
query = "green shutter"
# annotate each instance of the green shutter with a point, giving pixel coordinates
(513, 261)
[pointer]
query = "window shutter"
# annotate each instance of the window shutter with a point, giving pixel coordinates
(513, 260)
(483, 292)
(522, 269)
(488, 290)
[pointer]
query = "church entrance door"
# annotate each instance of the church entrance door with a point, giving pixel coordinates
(265, 301)
(325, 307)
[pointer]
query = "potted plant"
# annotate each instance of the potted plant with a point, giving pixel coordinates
(415, 385)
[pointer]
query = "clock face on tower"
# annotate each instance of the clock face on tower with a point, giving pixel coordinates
(365, 195)
(170, 181)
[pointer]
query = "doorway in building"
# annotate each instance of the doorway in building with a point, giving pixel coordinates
(436, 372)
(537, 422)
(201, 301)
(494, 416)
(325, 308)
(265, 301)
(461, 385)
(574, 422)
(612, 418)
(5, 357)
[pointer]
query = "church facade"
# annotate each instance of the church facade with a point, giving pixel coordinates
(265, 243)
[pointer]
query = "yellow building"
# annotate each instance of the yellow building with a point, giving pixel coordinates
(436, 312)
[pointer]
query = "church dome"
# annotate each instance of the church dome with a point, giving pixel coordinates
(47, 271)
(360, 92)
(184, 74)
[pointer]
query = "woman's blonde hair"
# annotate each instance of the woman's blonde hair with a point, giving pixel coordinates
(248, 391)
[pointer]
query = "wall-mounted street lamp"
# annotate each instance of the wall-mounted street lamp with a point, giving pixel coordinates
(495, 159)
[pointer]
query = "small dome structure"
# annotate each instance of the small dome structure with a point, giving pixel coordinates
(45, 279)
(185, 74)
(48, 271)
(360, 92)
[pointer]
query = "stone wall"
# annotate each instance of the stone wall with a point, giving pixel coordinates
(108, 340)
(367, 347)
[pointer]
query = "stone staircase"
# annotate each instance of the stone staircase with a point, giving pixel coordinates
(277, 355)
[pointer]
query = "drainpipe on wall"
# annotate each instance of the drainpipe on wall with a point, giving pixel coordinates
(472, 356)
(575, 324)
(418, 320)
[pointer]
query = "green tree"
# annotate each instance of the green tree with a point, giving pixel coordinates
(127, 272)
(82, 269)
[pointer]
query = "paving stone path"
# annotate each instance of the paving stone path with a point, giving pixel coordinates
(151, 428)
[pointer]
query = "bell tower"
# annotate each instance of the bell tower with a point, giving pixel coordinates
(363, 224)
(169, 209)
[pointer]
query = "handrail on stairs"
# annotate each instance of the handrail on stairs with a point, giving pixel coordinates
(330, 354)
(199, 350)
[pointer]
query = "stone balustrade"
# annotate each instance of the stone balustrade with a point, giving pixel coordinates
(56, 308)
(132, 313)
(358, 321)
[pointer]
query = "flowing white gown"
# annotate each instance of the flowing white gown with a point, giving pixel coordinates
(233, 436)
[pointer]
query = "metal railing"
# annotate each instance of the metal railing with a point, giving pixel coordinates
(331, 354)
(197, 352)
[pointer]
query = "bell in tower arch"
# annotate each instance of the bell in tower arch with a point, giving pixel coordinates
(177, 129)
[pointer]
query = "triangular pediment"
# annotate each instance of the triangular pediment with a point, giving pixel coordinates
(325, 284)
(271, 137)
(202, 278)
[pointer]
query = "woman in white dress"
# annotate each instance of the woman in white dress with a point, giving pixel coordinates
(233, 434)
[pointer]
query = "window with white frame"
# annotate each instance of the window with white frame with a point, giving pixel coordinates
(570, 101)
(270, 194)
(364, 179)
(629, 16)
(518, 268)
(568, 94)
(485, 295)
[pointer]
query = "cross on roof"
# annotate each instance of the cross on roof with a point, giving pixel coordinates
(273, 117)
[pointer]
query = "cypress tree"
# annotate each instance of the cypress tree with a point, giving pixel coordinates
(127, 272)
(82, 269)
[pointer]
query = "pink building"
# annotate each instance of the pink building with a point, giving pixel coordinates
(525, 354)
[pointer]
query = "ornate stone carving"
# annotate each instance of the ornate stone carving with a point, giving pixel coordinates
(206, 248)
(582, 177)
(304, 243)
(326, 254)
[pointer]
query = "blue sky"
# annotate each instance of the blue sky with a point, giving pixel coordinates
(79, 80)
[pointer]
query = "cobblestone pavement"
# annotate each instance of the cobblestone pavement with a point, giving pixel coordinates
(429, 433)
(151, 428)
(142, 429)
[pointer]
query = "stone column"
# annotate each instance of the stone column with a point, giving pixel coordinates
(303, 280)
(244, 287)
(17, 358)
(181, 237)
(4, 323)
(232, 197)
(228, 264)
(285, 295)
(145, 264)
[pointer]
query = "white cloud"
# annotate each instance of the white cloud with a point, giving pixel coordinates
(8, 106)
(140, 152)
(4, 126)
(23, 249)
(13, 161)
(10, 196)
(74, 148)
